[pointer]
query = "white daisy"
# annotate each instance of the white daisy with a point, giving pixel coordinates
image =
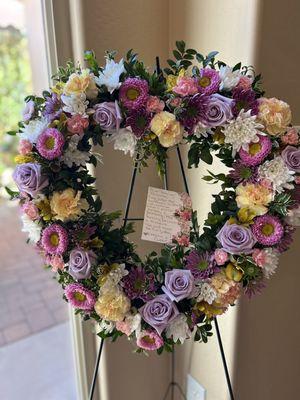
(178, 329)
(124, 140)
(75, 104)
(32, 228)
(278, 173)
(74, 156)
(110, 76)
(207, 293)
(242, 131)
(229, 78)
(33, 129)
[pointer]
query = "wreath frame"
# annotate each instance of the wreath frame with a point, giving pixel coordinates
(43, 159)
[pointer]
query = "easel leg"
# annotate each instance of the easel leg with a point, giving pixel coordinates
(92, 390)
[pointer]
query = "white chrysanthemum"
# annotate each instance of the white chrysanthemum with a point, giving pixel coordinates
(33, 129)
(242, 131)
(293, 217)
(125, 141)
(106, 326)
(278, 173)
(32, 228)
(75, 104)
(229, 78)
(110, 76)
(74, 156)
(178, 329)
(271, 261)
(207, 293)
(134, 323)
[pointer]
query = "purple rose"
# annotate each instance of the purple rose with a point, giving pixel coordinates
(291, 156)
(108, 115)
(29, 178)
(218, 110)
(80, 264)
(159, 312)
(179, 284)
(28, 110)
(236, 239)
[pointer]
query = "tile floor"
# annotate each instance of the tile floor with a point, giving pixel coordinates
(39, 367)
(30, 300)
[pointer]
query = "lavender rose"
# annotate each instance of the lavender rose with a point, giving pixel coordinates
(159, 312)
(28, 110)
(80, 264)
(179, 284)
(29, 178)
(218, 110)
(291, 156)
(236, 239)
(108, 115)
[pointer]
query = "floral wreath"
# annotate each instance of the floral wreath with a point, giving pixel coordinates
(165, 299)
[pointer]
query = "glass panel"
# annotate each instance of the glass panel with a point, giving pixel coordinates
(35, 346)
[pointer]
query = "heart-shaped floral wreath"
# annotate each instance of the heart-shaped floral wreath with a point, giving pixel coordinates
(197, 100)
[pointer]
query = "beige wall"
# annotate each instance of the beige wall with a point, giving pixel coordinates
(260, 32)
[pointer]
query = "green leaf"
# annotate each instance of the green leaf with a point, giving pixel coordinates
(11, 193)
(177, 55)
(12, 133)
(180, 44)
(206, 156)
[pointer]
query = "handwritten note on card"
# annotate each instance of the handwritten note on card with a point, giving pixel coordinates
(160, 223)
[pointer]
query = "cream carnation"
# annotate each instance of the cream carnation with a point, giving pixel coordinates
(167, 128)
(67, 205)
(255, 197)
(112, 305)
(275, 115)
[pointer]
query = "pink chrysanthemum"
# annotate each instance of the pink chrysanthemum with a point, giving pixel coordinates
(134, 93)
(55, 239)
(80, 297)
(257, 151)
(268, 230)
(209, 81)
(201, 265)
(149, 340)
(50, 143)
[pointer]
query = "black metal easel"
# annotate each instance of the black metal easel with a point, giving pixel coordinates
(173, 384)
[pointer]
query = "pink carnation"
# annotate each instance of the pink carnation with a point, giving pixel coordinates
(25, 147)
(291, 137)
(259, 257)
(56, 261)
(154, 104)
(31, 210)
(124, 327)
(149, 340)
(77, 124)
(182, 240)
(245, 83)
(175, 102)
(220, 256)
(186, 86)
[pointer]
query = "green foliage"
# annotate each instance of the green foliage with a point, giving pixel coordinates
(281, 203)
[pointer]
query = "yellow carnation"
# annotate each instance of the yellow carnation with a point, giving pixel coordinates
(112, 305)
(67, 205)
(275, 115)
(168, 130)
(254, 197)
(78, 83)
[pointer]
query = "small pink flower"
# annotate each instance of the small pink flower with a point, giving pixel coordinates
(220, 256)
(149, 340)
(25, 147)
(259, 257)
(77, 124)
(175, 102)
(182, 240)
(185, 215)
(245, 83)
(154, 104)
(297, 180)
(186, 86)
(124, 327)
(291, 137)
(56, 261)
(266, 183)
(30, 210)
